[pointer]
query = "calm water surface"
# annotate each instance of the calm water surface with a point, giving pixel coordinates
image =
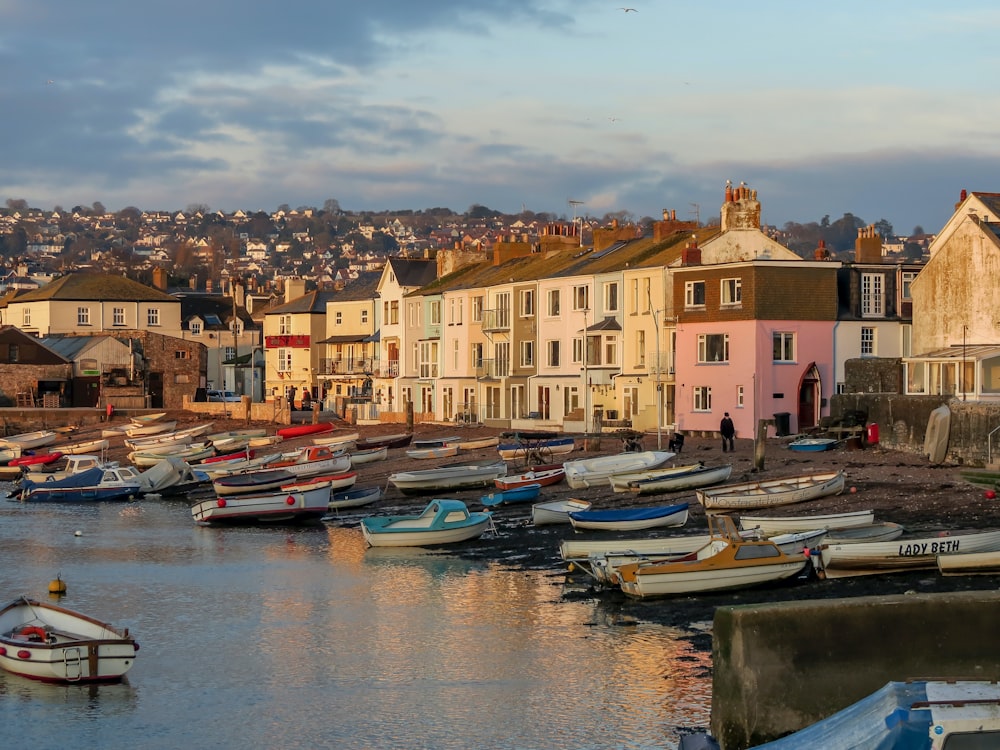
(303, 638)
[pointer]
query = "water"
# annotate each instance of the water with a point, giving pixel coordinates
(303, 638)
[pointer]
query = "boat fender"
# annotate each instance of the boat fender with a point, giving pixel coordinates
(33, 632)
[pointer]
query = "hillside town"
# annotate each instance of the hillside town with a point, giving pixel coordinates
(570, 325)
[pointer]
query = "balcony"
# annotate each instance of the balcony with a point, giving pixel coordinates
(347, 366)
(389, 369)
(496, 320)
(492, 369)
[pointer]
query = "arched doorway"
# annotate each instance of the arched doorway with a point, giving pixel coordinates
(810, 397)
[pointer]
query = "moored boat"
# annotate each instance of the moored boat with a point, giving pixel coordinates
(556, 511)
(594, 472)
(301, 430)
(523, 494)
(28, 440)
(522, 445)
(85, 446)
(670, 480)
(442, 521)
(631, 519)
(785, 524)
(46, 642)
(812, 445)
(97, 484)
(536, 475)
(770, 493)
(883, 531)
(152, 428)
(369, 455)
(398, 440)
(289, 504)
(472, 444)
(260, 481)
(450, 477)
(312, 460)
(338, 440)
(354, 498)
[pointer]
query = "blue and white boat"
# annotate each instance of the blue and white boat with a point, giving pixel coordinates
(87, 486)
(523, 494)
(812, 445)
(631, 519)
(441, 522)
(526, 445)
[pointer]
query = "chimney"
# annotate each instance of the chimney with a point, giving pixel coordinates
(821, 253)
(294, 288)
(160, 279)
(239, 295)
(868, 245)
(691, 255)
(961, 198)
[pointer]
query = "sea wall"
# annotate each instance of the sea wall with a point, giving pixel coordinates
(780, 667)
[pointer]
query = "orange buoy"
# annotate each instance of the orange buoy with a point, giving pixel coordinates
(57, 586)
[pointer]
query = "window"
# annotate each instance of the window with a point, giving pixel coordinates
(364, 317)
(180, 354)
(26, 316)
(740, 397)
(713, 347)
(553, 353)
(338, 318)
(195, 327)
(477, 309)
(872, 295)
(694, 294)
(503, 310)
(732, 291)
(611, 297)
(436, 312)
(118, 316)
(153, 316)
(454, 355)
(867, 342)
(553, 297)
(640, 348)
(455, 311)
(428, 365)
(393, 312)
(646, 297)
(501, 353)
(610, 350)
(284, 325)
(633, 302)
(477, 355)
(906, 279)
(527, 303)
(83, 316)
(783, 345)
(413, 314)
(284, 360)
(581, 298)
(702, 398)
(527, 354)
(13, 354)
(577, 351)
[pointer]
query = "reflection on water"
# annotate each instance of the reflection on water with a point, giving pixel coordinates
(303, 638)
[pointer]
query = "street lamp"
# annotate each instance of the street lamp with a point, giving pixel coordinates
(574, 204)
(586, 381)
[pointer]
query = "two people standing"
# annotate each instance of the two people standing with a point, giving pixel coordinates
(728, 431)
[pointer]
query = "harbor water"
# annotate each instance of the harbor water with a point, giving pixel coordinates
(301, 638)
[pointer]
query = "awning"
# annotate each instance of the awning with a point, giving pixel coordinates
(355, 338)
(608, 324)
(374, 338)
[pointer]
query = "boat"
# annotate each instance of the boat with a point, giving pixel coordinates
(970, 563)
(47, 642)
(339, 481)
(631, 519)
(369, 455)
(302, 430)
(344, 441)
(73, 465)
(28, 440)
(441, 522)
(290, 503)
(937, 434)
(86, 446)
(257, 482)
(523, 494)
(556, 511)
(167, 440)
(230, 444)
(884, 531)
(147, 418)
(87, 486)
(354, 498)
(265, 440)
(437, 442)
(930, 714)
(152, 428)
(526, 445)
(237, 465)
(450, 477)
(35, 459)
(217, 438)
(594, 472)
(785, 524)
(812, 445)
(234, 456)
(536, 475)
(769, 493)
(442, 451)
(474, 444)
(727, 562)
(191, 454)
(670, 480)
(398, 440)
(166, 472)
(312, 461)
(867, 558)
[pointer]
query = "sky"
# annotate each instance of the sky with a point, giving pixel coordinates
(882, 109)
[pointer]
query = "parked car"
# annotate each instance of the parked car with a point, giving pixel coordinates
(223, 396)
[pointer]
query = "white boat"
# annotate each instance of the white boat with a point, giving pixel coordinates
(451, 477)
(441, 522)
(153, 428)
(354, 498)
(237, 465)
(312, 461)
(165, 472)
(265, 440)
(253, 482)
(369, 456)
(785, 524)
(190, 453)
(556, 511)
(341, 441)
(866, 558)
(73, 465)
(631, 519)
(86, 446)
(54, 644)
(289, 504)
(574, 549)
(474, 444)
(670, 480)
(595, 472)
(727, 562)
(229, 444)
(165, 440)
(970, 563)
(884, 531)
(440, 451)
(768, 493)
(141, 419)
(27, 440)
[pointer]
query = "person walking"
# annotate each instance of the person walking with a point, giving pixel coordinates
(728, 430)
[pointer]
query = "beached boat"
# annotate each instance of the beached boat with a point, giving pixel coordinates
(768, 493)
(50, 643)
(526, 493)
(536, 475)
(927, 714)
(474, 444)
(354, 498)
(596, 472)
(154, 442)
(441, 522)
(342, 480)
(191, 453)
(147, 418)
(311, 461)
(338, 441)
(85, 446)
(580, 549)
(450, 477)
(785, 524)
(257, 482)
(556, 511)
(884, 531)
(234, 456)
(970, 563)
(35, 459)
(398, 440)
(229, 444)
(73, 465)
(866, 558)
(525, 445)
(152, 428)
(230, 435)
(237, 465)
(28, 440)
(291, 503)
(440, 451)
(302, 430)
(265, 440)
(631, 519)
(727, 562)
(670, 480)
(812, 445)
(369, 455)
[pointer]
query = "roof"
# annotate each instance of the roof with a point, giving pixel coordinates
(345, 339)
(71, 346)
(95, 287)
(216, 312)
(971, 353)
(311, 302)
(413, 271)
(608, 324)
(365, 287)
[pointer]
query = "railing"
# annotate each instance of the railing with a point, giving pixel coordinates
(496, 320)
(491, 369)
(347, 366)
(989, 445)
(388, 369)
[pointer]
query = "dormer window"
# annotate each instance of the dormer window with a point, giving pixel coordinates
(195, 327)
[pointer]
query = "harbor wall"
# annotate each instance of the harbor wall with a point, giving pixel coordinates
(780, 667)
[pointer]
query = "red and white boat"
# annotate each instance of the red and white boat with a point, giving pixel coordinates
(543, 475)
(42, 459)
(292, 503)
(300, 430)
(342, 481)
(312, 461)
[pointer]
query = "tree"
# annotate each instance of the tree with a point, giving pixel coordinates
(99, 209)
(884, 228)
(918, 231)
(197, 208)
(17, 204)
(331, 206)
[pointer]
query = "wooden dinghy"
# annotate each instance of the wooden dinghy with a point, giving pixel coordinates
(536, 475)
(868, 558)
(770, 493)
(86, 446)
(786, 524)
(674, 479)
(370, 455)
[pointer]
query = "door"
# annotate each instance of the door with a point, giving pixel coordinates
(543, 402)
(810, 388)
(156, 390)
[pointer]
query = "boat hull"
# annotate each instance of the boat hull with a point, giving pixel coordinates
(596, 472)
(523, 494)
(866, 558)
(812, 445)
(630, 519)
(544, 478)
(556, 511)
(291, 505)
(771, 493)
(446, 478)
(441, 522)
(355, 498)
(787, 524)
(301, 430)
(685, 478)
(369, 455)
(701, 580)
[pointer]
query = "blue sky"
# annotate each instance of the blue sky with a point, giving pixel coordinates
(881, 109)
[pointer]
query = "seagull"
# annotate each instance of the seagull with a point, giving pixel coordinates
(629, 10)
(613, 119)
(49, 82)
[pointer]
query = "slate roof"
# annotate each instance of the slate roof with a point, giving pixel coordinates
(216, 312)
(364, 287)
(411, 272)
(313, 302)
(95, 287)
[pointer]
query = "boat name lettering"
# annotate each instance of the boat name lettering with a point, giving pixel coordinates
(943, 547)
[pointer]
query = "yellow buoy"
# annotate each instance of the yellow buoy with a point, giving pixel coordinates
(571, 567)
(58, 586)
